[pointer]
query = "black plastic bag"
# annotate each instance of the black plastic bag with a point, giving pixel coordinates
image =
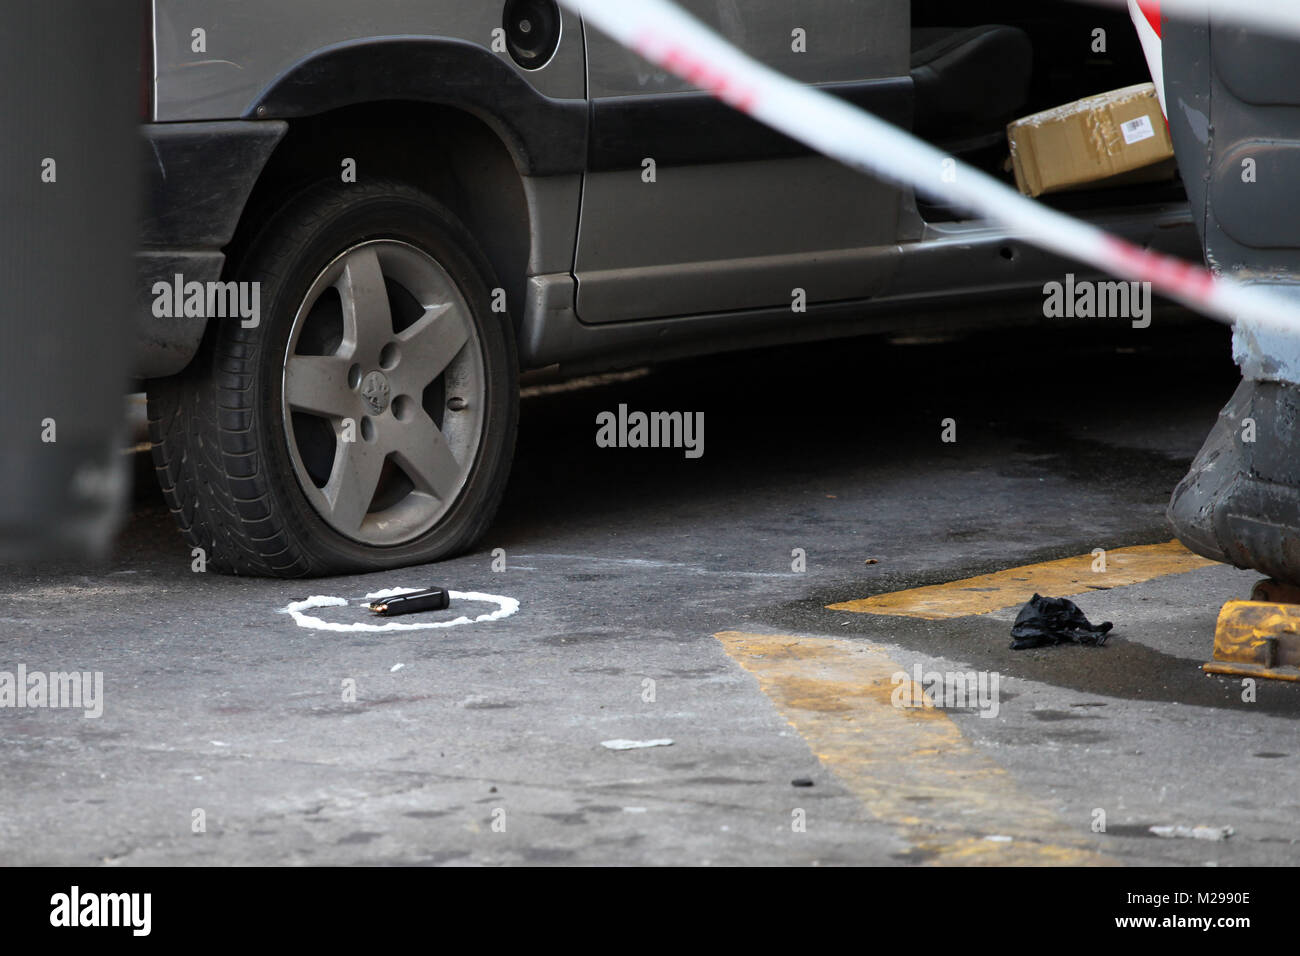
(1047, 621)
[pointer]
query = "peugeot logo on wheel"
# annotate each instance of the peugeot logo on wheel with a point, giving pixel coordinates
(374, 389)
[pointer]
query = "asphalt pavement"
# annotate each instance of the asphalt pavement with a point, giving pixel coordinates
(664, 598)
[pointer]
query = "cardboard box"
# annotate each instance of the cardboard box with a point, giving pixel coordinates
(1112, 139)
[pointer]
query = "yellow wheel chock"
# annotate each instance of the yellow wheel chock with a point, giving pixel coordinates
(1259, 637)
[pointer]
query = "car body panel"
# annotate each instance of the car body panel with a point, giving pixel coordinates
(707, 236)
(249, 43)
(198, 177)
(709, 256)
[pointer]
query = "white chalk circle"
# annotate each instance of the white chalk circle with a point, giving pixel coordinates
(505, 607)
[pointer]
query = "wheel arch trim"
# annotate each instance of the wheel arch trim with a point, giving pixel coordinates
(545, 136)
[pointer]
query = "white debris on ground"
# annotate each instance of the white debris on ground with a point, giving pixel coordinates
(634, 744)
(1193, 833)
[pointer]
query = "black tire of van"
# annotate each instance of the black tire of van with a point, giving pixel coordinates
(248, 474)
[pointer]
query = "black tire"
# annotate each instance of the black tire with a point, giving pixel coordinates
(220, 448)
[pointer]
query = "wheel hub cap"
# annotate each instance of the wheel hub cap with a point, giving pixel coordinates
(383, 393)
(375, 390)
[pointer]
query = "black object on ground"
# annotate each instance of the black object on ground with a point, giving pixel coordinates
(433, 599)
(1047, 621)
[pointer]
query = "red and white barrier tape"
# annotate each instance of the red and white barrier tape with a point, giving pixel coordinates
(667, 36)
(1146, 18)
(1265, 16)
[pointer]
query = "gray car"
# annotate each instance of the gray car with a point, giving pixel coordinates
(365, 220)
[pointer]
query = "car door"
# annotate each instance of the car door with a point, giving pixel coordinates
(690, 208)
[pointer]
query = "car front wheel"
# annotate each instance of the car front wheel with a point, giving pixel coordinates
(368, 420)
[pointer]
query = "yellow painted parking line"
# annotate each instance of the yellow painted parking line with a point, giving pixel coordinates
(911, 767)
(1011, 588)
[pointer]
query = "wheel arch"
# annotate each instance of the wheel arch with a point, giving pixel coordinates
(545, 135)
(454, 155)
